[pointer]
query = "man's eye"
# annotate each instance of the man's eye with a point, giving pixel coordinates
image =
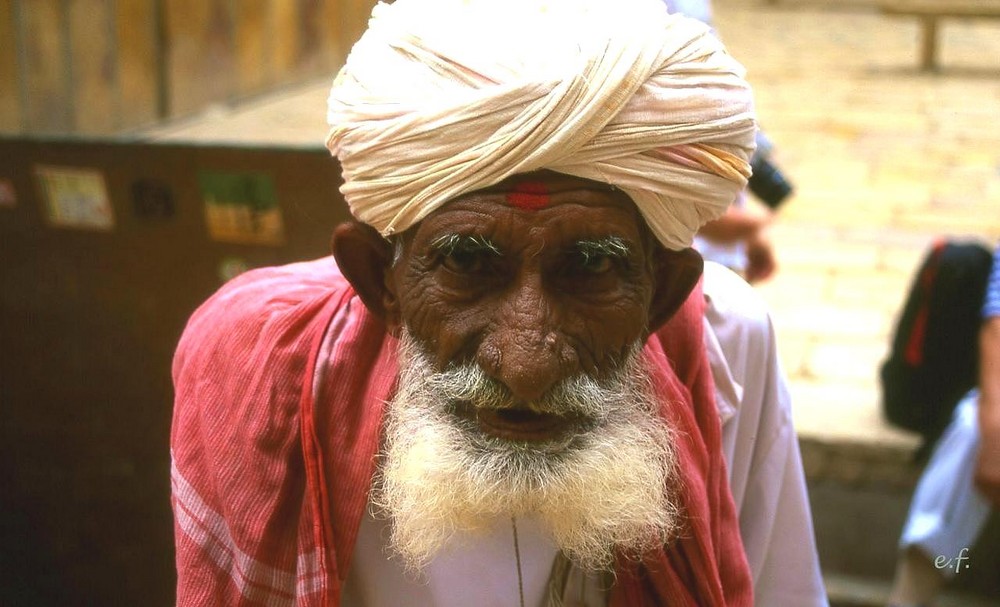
(595, 264)
(464, 262)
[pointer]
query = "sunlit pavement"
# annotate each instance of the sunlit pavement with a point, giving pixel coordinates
(884, 158)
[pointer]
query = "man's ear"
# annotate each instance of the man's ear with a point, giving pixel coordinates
(365, 259)
(676, 273)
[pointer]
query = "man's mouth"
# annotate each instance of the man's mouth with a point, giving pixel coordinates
(518, 423)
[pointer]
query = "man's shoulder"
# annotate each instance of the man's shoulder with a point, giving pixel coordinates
(731, 301)
(263, 288)
(259, 309)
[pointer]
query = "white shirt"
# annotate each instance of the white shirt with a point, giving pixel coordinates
(760, 445)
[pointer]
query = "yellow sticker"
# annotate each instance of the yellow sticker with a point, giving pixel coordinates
(75, 198)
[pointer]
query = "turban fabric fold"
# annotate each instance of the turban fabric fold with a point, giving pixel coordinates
(443, 97)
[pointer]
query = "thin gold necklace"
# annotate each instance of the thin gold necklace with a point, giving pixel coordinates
(517, 557)
(558, 576)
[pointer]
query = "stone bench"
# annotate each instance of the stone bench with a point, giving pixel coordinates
(859, 492)
(930, 11)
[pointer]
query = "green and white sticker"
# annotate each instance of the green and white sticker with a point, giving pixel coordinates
(241, 208)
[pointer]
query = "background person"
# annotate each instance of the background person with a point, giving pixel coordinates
(739, 239)
(961, 482)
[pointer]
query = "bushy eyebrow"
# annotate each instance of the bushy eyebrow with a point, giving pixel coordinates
(611, 246)
(451, 243)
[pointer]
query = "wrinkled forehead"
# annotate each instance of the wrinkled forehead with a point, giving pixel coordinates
(548, 181)
(538, 189)
(532, 205)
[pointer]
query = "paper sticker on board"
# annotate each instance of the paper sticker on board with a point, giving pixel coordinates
(75, 198)
(242, 208)
(152, 199)
(231, 267)
(8, 195)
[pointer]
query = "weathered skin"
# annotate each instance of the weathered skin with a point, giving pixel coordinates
(537, 312)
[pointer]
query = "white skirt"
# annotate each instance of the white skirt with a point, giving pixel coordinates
(947, 513)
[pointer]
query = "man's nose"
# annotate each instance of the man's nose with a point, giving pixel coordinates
(525, 350)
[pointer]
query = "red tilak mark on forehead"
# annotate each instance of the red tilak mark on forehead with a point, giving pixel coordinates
(529, 196)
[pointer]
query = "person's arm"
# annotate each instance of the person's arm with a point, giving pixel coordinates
(988, 461)
(748, 225)
(737, 223)
(761, 262)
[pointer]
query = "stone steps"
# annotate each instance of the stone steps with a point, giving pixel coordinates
(854, 591)
(859, 493)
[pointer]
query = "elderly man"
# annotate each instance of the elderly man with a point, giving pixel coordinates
(500, 392)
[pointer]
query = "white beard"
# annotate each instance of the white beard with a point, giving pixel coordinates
(605, 488)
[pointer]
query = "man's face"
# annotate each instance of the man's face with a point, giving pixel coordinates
(521, 312)
(538, 280)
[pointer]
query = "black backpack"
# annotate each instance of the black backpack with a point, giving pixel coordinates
(934, 359)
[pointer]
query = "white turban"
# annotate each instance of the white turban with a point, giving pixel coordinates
(443, 97)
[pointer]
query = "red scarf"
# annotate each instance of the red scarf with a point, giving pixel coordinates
(270, 480)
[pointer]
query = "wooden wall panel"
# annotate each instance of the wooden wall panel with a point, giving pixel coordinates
(286, 38)
(138, 61)
(107, 66)
(46, 68)
(199, 54)
(311, 34)
(332, 44)
(10, 86)
(94, 66)
(254, 39)
(354, 17)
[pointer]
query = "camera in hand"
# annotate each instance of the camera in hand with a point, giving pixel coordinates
(767, 183)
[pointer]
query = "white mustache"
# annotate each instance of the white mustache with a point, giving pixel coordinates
(579, 395)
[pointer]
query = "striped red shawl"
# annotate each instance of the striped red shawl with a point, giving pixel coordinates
(270, 480)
